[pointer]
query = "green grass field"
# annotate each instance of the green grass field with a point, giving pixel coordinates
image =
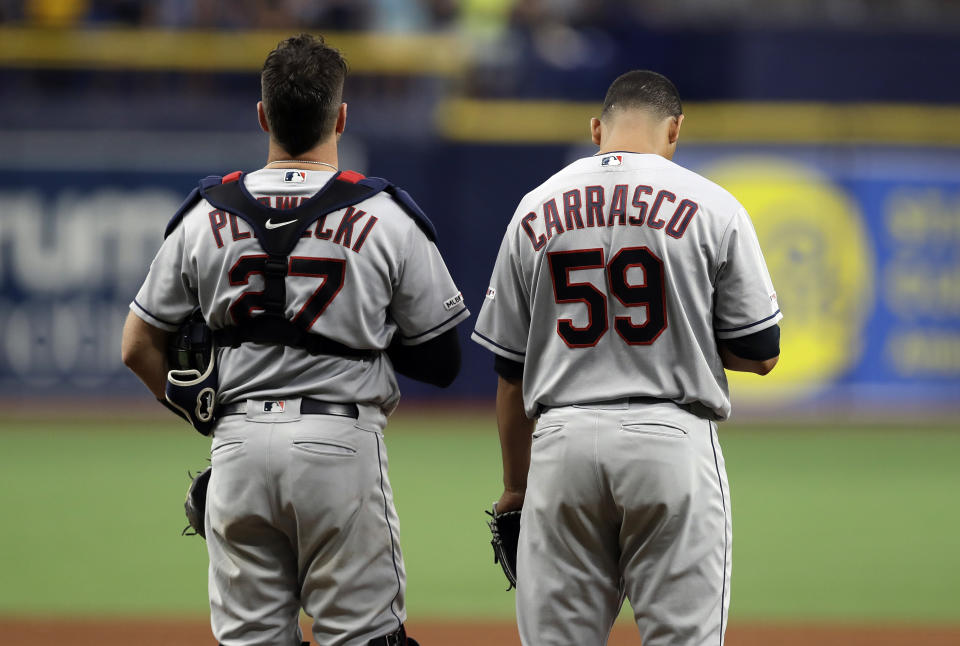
(829, 523)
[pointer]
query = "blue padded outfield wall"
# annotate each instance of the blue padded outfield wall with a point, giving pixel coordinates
(863, 243)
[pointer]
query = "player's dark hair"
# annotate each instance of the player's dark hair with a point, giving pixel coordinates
(643, 89)
(302, 88)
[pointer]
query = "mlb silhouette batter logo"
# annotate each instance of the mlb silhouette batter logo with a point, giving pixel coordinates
(273, 407)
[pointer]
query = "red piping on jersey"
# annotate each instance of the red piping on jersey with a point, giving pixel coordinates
(351, 176)
(232, 177)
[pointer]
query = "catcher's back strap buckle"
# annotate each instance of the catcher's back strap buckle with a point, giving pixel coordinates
(343, 190)
(308, 406)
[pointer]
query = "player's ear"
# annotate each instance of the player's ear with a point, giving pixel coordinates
(341, 120)
(673, 131)
(595, 130)
(262, 117)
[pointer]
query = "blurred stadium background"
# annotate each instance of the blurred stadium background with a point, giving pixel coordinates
(836, 122)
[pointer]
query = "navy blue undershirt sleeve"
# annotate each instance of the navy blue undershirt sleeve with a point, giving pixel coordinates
(758, 346)
(435, 362)
(510, 370)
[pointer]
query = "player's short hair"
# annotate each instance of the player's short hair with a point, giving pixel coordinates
(643, 89)
(302, 88)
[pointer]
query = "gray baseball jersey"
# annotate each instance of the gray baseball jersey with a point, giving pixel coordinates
(394, 281)
(615, 279)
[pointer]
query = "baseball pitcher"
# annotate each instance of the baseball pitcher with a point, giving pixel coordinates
(317, 285)
(625, 285)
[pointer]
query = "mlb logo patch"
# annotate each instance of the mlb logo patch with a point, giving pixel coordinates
(295, 177)
(273, 407)
(491, 293)
(450, 303)
(611, 160)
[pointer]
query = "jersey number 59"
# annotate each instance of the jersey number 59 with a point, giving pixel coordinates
(650, 294)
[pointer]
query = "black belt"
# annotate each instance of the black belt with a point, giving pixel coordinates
(398, 638)
(307, 407)
(624, 400)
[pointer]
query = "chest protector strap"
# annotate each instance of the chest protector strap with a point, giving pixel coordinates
(278, 231)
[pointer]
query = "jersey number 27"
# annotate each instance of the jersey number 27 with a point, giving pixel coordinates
(331, 270)
(650, 294)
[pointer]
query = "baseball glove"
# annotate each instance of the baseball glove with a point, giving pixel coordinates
(192, 381)
(189, 347)
(505, 528)
(195, 505)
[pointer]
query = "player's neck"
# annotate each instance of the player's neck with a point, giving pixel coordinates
(636, 132)
(627, 147)
(633, 142)
(322, 154)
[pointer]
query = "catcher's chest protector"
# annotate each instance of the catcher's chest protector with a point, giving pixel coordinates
(278, 231)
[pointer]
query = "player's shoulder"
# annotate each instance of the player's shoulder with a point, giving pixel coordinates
(546, 189)
(195, 201)
(398, 209)
(390, 204)
(192, 204)
(596, 168)
(384, 204)
(708, 193)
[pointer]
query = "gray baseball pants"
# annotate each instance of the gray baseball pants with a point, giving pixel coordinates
(300, 514)
(624, 500)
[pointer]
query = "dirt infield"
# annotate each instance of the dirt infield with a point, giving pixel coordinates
(153, 632)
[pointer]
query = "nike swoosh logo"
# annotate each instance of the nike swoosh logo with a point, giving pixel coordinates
(277, 225)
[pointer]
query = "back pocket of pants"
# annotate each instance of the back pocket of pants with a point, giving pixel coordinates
(225, 447)
(547, 429)
(661, 429)
(324, 447)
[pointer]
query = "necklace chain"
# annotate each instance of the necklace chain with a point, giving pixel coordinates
(302, 161)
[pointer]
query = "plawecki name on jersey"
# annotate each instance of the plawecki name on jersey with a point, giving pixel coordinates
(648, 265)
(358, 276)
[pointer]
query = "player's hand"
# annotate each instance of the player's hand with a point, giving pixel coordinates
(510, 500)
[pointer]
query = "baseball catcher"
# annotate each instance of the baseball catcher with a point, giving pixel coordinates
(318, 284)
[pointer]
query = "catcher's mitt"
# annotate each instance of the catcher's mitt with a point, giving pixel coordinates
(505, 528)
(189, 348)
(195, 505)
(192, 382)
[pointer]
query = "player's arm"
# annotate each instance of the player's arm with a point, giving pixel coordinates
(143, 349)
(435, 362)
(515, 430)
(426, 307)
(757, 352)
(746, 312)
